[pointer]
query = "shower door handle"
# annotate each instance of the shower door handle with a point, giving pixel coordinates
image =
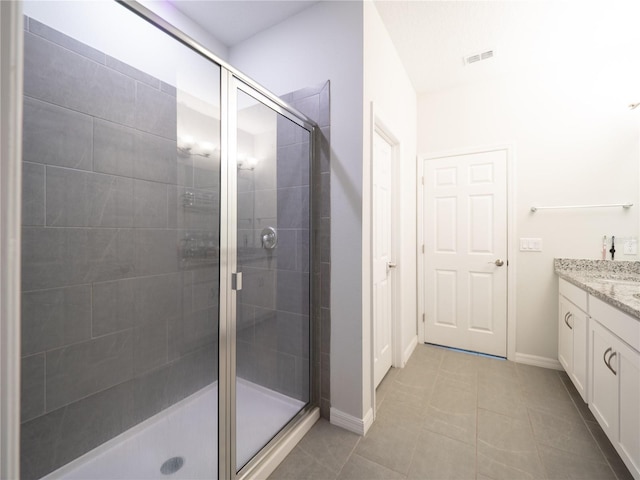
(236, 281)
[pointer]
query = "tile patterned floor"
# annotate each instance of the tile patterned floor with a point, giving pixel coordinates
(451, 415)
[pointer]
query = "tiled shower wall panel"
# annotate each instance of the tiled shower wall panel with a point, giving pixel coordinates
(116, 326)
(273, 326)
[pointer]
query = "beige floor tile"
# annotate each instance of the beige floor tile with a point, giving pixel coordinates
(497, 368)
(556, 405)
(453, 362)
(406, 396)
(504, 398)
(458, 416)
(417, 377)
(400, 414)
(439, 457)
(359, 468)
(496, 470)
(483, 477)
(581, 406)
(451, 411)
(427, 355)
(541, 381)
(614, 460)
(388, 445)
(329, 445)
(554, 431)
(299, 465)
(506, 447)
(561, 465)
(467, 381)
(386, 385)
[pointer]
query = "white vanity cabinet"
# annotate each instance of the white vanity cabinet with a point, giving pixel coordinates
(614, 380)
(573, 329)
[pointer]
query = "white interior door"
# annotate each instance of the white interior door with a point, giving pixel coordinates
(465, 232)
(383, 265)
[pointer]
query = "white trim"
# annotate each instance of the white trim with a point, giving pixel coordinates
(11, 69)
(537, 361)
(511, 236)
(511, 251)
(378, 125)
(283, 449)
(421, 310)
(351, 423)
(409, 350)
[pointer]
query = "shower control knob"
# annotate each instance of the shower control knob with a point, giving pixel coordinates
(269, 237)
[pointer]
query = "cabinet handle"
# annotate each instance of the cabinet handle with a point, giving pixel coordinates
(604, 357)
(566, 319)
(613, 354)
(607, 361)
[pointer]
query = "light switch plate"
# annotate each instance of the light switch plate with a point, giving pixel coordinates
(530, 244)
(631, 246)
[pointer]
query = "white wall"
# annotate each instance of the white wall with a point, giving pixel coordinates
(325, 42)
(576, 142)
(387, 85)
(179, 20)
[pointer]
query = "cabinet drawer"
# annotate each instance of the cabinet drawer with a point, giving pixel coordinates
(624, 326)
(574, 294)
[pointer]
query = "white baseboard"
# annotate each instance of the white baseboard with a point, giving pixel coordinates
(351, 423)
(263, 470)
(537, 361)
(409, 350)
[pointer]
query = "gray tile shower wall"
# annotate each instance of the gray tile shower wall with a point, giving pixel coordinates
(315, 103)
(116, 326)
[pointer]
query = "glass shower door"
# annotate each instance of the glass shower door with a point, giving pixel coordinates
(120, 248)
(272, 307)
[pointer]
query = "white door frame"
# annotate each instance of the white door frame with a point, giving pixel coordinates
(378, 125)
(511, 229)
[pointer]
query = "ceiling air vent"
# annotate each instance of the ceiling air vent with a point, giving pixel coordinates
(479, 57)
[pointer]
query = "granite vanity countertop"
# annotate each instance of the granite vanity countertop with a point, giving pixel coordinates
(616, 283)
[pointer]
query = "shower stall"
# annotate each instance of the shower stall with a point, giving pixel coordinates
(167, 301)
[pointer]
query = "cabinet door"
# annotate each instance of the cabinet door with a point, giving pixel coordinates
(565, 336)
(603, 385)
(628, 368)
(579, 322)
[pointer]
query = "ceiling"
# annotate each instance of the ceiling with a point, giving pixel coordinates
(432, 37)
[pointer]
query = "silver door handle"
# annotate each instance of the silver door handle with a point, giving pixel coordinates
(498, 263)
(391, 265)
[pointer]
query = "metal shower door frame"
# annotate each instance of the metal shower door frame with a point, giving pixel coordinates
(232, 81)
(235, 84)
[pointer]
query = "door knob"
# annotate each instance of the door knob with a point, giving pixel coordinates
(499, 262)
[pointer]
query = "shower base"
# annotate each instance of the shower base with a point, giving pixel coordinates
(185, 436)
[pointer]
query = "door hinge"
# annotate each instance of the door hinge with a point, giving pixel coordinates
(424, 317)
(422, 180)
(422, 248)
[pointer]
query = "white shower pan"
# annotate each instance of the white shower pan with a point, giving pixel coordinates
(186, 432)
